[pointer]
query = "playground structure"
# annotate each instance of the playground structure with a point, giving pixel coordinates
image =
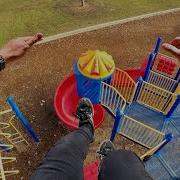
(11, 137)
(117, 90)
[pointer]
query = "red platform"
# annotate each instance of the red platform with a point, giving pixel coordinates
(65, 103)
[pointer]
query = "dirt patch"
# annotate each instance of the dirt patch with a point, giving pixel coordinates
(76, 9)
(33, 79)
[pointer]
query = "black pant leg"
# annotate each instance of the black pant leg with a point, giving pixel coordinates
(122, 165)
(64, 161)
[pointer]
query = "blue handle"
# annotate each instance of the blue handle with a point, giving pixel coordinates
(21, 117)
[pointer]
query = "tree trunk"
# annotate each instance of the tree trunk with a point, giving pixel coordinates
(82, 3)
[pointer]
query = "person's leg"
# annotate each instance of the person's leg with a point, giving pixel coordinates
(122, 164)
(65, 160)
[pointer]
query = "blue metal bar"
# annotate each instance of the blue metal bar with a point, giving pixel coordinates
(168, 138)
(175, 86)
(158, 43)
(21, 117)
(5, 147)
(175, 105)
(139, 82)
(119, 115)
(177, 75)
(149, 66)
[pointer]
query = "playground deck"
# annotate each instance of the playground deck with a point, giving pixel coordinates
(33, 79)
(171, 151)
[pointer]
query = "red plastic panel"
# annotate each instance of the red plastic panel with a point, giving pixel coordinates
(166, 65)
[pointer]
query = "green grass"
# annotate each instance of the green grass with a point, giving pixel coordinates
(25, 17)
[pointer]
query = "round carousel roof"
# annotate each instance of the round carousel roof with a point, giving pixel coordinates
(96, 64)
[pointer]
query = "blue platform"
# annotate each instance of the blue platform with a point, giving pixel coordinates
(145, 115)
(169, 155)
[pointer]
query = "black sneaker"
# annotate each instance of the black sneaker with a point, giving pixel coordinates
(105, 147)
(85, 112)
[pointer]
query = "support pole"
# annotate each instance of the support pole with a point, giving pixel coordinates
(158, 43)
(177, 75)
(117, 121)
(149, 66)
(21, 117)
(139, 83)
(168, 138)
(173, 108)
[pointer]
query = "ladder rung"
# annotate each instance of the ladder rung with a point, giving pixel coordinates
(18, 141)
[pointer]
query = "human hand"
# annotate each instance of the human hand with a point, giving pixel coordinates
(18, 47)
(173, 47)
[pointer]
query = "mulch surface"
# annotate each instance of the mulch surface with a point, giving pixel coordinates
(32, 79)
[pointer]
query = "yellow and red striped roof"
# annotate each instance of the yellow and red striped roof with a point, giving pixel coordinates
(96, 64)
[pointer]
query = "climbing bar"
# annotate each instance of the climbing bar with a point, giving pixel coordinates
(4, 173)
(11, 133)
(139, 132)
(16, 135)
(5, 111)
(5, 143)
(124, 84)
(152, 151)
(166, 65)
(5, 147)
(156, 98)
(111, 98)
(162, 81)
(8, 159)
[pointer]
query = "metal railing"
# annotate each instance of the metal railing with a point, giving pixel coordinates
(124, 84)
(162, 81)
(140, 133)
(156, 97)
(111, 98)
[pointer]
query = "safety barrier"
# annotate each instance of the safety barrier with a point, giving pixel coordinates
(162, 81)
(140, 133)
(156, 98)
(124, 84)
(111, 98)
